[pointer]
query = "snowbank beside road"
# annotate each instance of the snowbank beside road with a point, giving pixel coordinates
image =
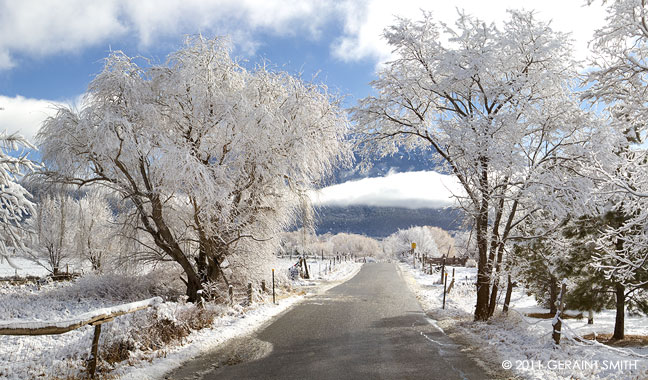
(63, 356)
(524, 344)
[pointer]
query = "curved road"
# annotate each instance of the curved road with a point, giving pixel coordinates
(370, 327)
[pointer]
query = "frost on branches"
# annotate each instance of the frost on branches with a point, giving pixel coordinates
(495, 106)
(15, 203)
(619, 81)
(401, 241)
(213, 158)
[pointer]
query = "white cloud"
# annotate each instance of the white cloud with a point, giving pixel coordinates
(24, 115)
(424, 189)
(365, 21)
(39, 28)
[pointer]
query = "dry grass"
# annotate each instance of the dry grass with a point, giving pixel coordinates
(159, 333)
(628, 341)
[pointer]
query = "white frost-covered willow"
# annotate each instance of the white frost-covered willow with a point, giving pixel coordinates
(15, 200)
(496, 107)
(400, 242)
(213, 157)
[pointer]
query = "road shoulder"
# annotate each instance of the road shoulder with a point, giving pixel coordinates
(451, 325)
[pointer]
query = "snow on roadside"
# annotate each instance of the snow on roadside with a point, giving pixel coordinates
(63, 356)
(525, 343)
(226, 327)
(21, 267)
(199, 342)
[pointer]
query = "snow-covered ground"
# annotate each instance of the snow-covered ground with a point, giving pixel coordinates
(524, 344)
(63, 356)
(21, 267)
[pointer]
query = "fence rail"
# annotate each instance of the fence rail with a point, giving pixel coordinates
(93, 318)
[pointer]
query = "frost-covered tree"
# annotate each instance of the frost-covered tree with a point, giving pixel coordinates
(495, 107)
(619, 77)
(328, 245)
(445, 243)
(537, 258)
(401, 242)
(96, 235)
(15, 201)
(354, 244)
(215, 158)
(54, 224)
(618, 82)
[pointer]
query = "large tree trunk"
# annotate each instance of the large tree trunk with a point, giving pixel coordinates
(193, 286)
(509, 292)
(557, 321)
(619, 322)
(483, 275)
(492, 303)
(553, 294)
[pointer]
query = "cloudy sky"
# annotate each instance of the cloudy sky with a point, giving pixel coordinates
(50, 50)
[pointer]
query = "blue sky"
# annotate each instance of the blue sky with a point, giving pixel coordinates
(50, 50)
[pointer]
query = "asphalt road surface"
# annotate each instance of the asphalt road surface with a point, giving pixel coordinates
(370, 327)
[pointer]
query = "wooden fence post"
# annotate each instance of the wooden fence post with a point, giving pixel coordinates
(263, 286)
(444, 289)
(451, 282)
(442, 270)
(200, 298)
(231, 294)
(92, 365)
(305, 263)
(249, 293)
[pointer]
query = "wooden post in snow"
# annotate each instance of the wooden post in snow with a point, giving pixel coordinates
(92, 365)
(444, 289)
(442, 270)
(273, 287)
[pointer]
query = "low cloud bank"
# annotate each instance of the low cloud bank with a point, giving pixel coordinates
(24, 115)
(413, 190)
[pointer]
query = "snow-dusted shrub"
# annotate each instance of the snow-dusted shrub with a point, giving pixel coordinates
(154, 329)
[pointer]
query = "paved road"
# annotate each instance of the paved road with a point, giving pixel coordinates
(370, 327)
